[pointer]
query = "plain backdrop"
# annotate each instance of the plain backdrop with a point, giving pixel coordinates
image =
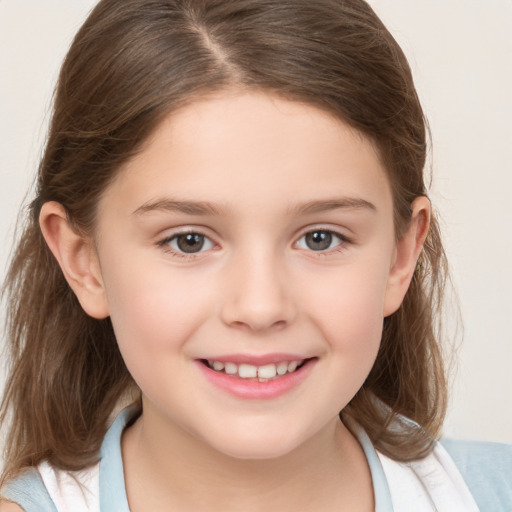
(461, 55)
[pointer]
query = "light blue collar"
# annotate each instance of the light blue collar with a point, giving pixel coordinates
(381, 492)
(112, 489)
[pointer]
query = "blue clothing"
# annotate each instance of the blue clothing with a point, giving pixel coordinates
(30, 493)
(485, 467)
(112, 490)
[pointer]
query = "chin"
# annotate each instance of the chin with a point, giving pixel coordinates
(255, 447)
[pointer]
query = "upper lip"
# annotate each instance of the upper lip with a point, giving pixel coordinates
(257, 360)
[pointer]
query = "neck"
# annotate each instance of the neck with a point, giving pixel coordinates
(168, 469)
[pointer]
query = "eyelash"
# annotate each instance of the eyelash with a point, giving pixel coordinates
(165, 244)
(343, 241)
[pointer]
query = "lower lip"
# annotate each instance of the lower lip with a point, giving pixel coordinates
(252, 389)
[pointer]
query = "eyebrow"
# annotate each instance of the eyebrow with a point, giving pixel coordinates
(206, 208)
(187, 207)
(344, 203)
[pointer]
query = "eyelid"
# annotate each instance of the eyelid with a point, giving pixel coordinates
(344, 240)
(164, 242)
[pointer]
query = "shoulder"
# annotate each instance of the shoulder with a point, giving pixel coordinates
(9, 506)
(48, 489)
(27, 491)
(471, 455)
(487, 470)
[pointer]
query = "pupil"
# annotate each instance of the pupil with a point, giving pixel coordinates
(319, 240)
(191, 242)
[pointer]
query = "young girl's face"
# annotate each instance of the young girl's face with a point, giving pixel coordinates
(252, 232)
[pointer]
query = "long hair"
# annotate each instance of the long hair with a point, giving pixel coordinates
(131, 64)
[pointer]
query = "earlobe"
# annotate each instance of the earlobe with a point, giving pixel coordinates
(408, 250)
(76, 257)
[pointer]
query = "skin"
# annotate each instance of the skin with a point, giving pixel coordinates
(271, 171)
(7, 506)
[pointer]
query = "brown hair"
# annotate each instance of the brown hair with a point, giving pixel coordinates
(130, 65)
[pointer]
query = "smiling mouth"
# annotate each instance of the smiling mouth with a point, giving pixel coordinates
(251, 372)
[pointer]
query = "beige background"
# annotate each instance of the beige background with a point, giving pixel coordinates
(461, 55)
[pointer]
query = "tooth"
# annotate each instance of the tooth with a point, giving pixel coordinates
(217, 365)
(282, 368)
(246, 371)
(292, 366)
(267, 372)
(231, 368)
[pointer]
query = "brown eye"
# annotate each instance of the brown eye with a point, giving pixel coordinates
(320, 240)
(190, 243)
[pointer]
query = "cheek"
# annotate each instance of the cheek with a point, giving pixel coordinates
(348, 306)
(152, 312)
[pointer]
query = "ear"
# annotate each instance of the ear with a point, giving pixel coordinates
(407, 251)
(77, 259)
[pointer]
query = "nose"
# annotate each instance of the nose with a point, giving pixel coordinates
(258, 295)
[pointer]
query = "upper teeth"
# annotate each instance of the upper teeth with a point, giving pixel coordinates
(248, 371)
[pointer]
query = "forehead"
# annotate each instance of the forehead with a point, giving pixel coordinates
(251, 147)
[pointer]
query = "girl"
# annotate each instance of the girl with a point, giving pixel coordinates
(231, 233)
